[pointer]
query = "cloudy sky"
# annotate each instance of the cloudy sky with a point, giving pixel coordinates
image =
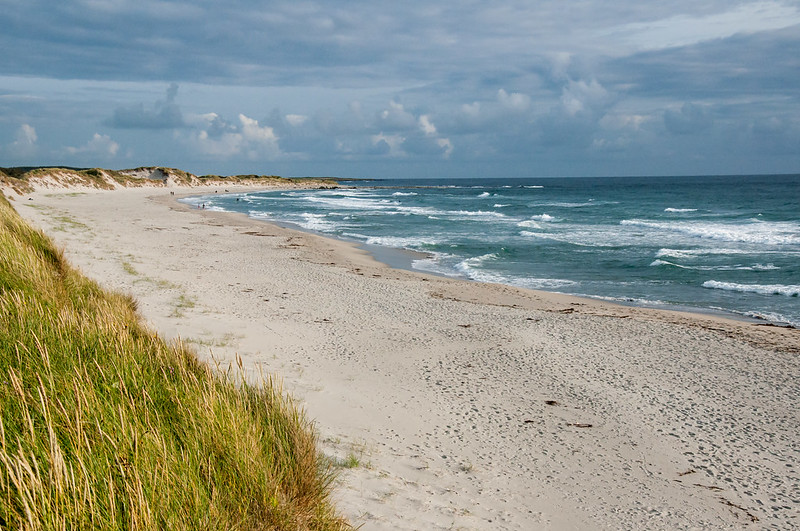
(434, 88)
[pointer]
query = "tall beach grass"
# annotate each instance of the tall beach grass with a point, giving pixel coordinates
(103, 425)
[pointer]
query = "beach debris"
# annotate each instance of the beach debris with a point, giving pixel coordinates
(709, 487)
(690, 471)
(528, 421)
(465, 325)
(750, 516)
(551, 403)
(567, 310)
(579, 425)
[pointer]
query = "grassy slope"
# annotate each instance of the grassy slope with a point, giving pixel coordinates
(21, 179)
(103, 425)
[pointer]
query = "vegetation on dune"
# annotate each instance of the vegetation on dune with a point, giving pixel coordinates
(103, 425)
(22, 179)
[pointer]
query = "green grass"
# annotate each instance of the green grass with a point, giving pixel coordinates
(103, 425)
(182, 303)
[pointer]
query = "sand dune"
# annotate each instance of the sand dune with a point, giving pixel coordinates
(464, 405)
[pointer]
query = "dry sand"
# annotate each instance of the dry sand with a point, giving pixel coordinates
(464, 405)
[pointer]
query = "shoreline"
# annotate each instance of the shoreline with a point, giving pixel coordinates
(400, 258)
(463, 404)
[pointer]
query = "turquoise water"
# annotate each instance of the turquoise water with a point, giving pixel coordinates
(704, 243)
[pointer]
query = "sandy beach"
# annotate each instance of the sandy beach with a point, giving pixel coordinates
(458, 405)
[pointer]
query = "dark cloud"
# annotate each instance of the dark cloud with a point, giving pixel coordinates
(689, 119)
(742, 64)
(164, 115)
(524, 85)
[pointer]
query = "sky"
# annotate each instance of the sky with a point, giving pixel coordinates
(421, 89)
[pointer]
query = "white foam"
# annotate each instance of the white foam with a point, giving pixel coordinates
(470, 214)
(754, 267)
(693, 253)
(434, 265)
(680, 210)
(580, 240)
(352, 202)
(472, 269)
(485, 194)
(534, 221)
(559, 204)
(763, 289)
(399, 241)
(770, 233)
(316, 222)
(477, 261)
(404, 194)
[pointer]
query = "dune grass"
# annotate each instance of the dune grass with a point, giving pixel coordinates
(105, 426)
(22, 179)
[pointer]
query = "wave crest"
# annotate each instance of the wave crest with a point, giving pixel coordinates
(763, 289)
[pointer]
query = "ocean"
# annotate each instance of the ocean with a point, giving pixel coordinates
(726, 244)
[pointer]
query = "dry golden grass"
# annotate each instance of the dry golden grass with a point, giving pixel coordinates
(103, 425)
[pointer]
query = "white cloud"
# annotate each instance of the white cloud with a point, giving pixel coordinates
(255, 134)
(26, 135)
(24, 144)
(579, 96)
(684, 30)
(393, 142)
(446, 145)
(426, 126)
(296, 120)
(560, 64)
(471, 109)
(429, 129)
(515, 101)
(396, 118)
(98, 146)
(219, 138)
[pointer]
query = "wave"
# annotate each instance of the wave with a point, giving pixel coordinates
(498, 205)
(397, 241)
(477, 213)
(686, 254)
(559, 204)
(754, 267)
(680, 210)
(534, 221)
(485, 194)
(762, 289)
(469, 269)
(775, 233)
(353, 202)
(477, 261)
(557, 238)
(316, 222)
(404, 194)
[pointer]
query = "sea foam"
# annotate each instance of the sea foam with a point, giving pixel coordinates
(738, 267)
(778, 233)
(763, 289)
